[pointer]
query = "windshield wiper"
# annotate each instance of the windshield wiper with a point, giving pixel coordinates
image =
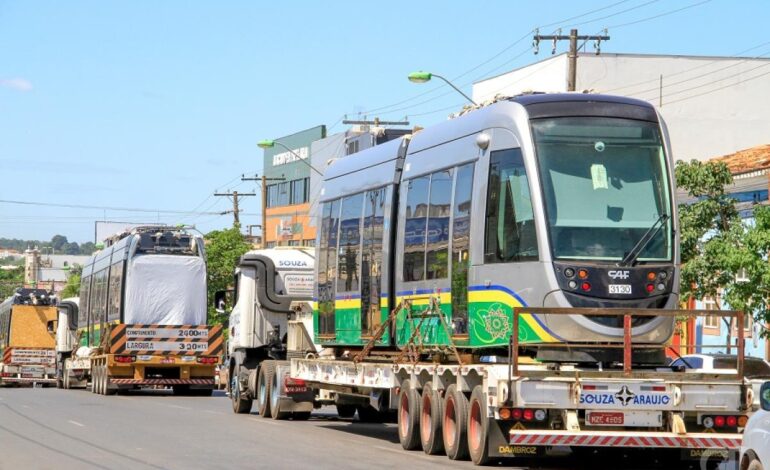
(630, 258)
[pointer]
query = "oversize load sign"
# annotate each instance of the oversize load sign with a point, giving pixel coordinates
(165, 346)
(32, 356)
(166, 339)
(175, 333)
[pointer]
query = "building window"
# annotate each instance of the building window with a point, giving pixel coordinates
(283, 194)
(711, 322)
(300, 191)
(310, 242)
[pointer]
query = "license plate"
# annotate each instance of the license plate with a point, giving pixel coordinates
(620, 288)
(650, 419)
(167, 361)
(605, 418)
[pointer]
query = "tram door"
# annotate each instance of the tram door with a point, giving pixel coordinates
(371, 260)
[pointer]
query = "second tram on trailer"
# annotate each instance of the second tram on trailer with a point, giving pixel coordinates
(142, 314)
(542, 200)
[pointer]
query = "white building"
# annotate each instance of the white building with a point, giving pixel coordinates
(713, 106)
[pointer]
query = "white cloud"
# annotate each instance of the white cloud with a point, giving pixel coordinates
(18, 84)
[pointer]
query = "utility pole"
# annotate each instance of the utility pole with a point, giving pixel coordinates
(573, 39)
(263, 180)
(235, 195)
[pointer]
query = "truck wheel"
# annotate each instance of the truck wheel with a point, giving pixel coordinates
(346, 411)
(478, 427)
(408, 417)
(275, 398)
(264, 381)
(755, 465)
(241, 404)
(95, 378)
(431, 411)
(66, 375)
(454, 424)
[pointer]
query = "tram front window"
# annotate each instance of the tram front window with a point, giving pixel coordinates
(605, 183)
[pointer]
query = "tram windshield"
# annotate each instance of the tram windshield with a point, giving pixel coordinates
(605, 184)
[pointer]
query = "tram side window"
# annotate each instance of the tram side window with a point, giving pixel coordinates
(437, 248)
(327, 268)
(510, 230)
(85, 293)
(414, 228)
(371, 257)
(350, 243)
(461, 232)
(99, 306)
(116, 279)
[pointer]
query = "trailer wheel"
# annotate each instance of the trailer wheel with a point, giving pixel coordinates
(107, 389)
(431, 411)
(66, 375)
(346, 411)
(95, 378)
(454, 424)
(275, 397)
(264, 379)
(408, 417)
(241, 404)
(478, 427)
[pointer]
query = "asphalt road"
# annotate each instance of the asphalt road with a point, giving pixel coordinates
(58, 429)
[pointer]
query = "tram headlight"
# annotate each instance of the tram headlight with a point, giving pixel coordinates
(572, 285)
(569, 272)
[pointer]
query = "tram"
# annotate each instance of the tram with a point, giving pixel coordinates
(541, 200)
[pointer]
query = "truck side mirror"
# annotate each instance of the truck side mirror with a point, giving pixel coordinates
(220, 300)
(764, 396)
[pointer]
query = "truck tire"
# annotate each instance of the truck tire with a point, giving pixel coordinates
(409, 416)
(431, 411)
(275, 396)
(478, 427)
(346, 411)
(108, 390)
(241, 404)
(66, 384)
(264, 380)
(454, 424)
(95, 378)
(755, 465)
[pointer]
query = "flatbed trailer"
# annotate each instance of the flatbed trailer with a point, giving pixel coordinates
(493, 407)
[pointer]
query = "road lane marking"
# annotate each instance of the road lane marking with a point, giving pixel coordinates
(266, 421)
(76, 423)
(179, 407)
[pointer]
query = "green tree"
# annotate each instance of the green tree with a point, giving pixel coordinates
(223, 250)
(717, 246)
(10, 280)
(72, 288)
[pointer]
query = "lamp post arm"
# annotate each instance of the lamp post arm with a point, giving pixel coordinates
(456, 89)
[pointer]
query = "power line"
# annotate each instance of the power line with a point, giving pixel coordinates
(670, 12)
(109, 208)
(642, 5)
(717, 89)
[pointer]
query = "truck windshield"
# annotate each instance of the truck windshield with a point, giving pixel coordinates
(605, 183)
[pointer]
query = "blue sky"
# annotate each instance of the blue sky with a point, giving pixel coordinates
(154, 105)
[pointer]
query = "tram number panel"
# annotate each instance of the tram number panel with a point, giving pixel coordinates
(620, 289)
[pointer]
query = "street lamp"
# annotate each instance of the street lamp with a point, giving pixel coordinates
(268, 144)
(423, 77)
